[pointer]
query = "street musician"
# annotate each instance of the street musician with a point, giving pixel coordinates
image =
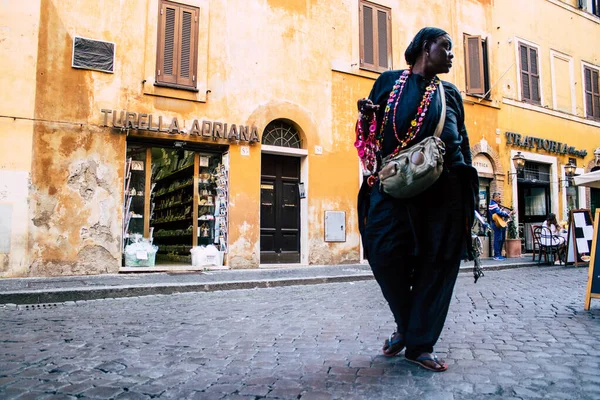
(498, 220)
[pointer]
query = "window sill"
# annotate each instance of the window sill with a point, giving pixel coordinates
(480, 97)
(480, 100)
(169, 91)
(175, 86)
(355, 71)
(373, 70)
(533, 103)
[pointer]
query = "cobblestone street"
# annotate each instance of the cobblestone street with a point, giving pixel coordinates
(516, 334)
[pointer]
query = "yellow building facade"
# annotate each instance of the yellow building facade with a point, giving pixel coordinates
(231, 123)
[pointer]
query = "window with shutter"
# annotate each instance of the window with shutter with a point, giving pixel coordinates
(530, 77)
(375, 37)
(177, 45)
(475, 65)
(592, 92)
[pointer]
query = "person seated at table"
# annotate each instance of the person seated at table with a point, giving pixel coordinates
(551, 236)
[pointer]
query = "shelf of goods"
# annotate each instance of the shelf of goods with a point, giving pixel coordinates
(172, 214)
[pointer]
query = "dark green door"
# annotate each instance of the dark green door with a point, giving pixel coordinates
(279, 210)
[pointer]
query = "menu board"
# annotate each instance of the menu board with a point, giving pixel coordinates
(593, 286)
(581, 233)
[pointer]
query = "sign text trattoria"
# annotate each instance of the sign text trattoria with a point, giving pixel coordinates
(516, 139)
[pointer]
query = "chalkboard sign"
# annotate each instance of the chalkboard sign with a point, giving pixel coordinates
(580, 236)
(593, 286)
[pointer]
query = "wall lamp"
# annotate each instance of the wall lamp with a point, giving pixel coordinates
(519, 163)
(569, 173)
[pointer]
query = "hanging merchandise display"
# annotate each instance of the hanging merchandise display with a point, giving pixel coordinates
(222, 212)
(134, 185)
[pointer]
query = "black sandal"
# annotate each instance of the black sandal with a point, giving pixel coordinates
(440, 364)
(393, 347)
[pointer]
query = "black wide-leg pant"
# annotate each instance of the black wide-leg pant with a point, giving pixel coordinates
(414, 248)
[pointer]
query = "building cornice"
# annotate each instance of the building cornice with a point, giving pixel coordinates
(575, 10)
(554, 113)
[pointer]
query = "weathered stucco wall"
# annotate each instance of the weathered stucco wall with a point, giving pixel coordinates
(18, 50)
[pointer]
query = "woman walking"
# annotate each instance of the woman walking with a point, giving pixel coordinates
(415, 245)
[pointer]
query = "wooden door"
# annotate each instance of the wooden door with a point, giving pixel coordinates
(279, 210)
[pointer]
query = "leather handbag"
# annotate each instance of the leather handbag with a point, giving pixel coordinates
(415, 169)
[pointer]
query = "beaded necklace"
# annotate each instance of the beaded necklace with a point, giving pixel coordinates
(368, 145)
(417, 122)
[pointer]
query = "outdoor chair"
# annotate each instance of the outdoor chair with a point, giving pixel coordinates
(547, 244)
(535, 242)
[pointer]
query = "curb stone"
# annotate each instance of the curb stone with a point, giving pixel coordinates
(12, 298)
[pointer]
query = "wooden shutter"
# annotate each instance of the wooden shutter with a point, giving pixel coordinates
(474, 65)
(596, 93)
(534, 75)
(592, 93)
(186, 74)
(375, 37)
(382, 39)
(367, 42)
(530, 77)
(166, 70)
(177, 45)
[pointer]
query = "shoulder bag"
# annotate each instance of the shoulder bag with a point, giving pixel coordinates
(413, 170)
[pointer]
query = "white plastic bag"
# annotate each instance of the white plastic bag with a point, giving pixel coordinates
(198, 256)
(140, 252)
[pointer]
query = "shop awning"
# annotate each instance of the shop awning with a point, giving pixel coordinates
(591, 179)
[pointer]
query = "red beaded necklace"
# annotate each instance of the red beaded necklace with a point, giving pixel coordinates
(417, 122)
(369, 144)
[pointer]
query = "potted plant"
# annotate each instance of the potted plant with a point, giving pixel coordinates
(513, 242)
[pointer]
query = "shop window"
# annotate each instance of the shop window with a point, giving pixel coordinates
(375, 37)
(535, 202)
(592, 92)
(177, 51)
(476, 65)
(530, 74)
(534, 172)
(177, 199)
(281, 133)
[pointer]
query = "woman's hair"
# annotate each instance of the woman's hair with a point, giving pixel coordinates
(552, 219)
(416, 46)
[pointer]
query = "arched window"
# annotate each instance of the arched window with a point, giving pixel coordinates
(281, 133)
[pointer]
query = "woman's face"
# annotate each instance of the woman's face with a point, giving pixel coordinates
(440, 55)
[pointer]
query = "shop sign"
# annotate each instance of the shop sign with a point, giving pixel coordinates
(516, 139)
(206, 129)
(482, 164)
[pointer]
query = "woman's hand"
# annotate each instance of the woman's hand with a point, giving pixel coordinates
(366, 106)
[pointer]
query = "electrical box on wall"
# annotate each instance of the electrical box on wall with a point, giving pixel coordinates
(335, 226)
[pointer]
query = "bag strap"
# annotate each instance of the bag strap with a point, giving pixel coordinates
(440, 125)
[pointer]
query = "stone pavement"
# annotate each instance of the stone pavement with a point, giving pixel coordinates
(73, 288)
(516, 334)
